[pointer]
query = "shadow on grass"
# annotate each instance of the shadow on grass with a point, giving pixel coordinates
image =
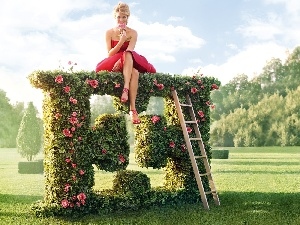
(14, 206)
(235, 208)
(20, 199)
(253, 163)
(255, 172)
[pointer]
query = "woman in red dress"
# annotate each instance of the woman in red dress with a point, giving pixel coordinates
(120, 42)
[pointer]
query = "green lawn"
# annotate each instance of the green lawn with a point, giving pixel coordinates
(256, 186)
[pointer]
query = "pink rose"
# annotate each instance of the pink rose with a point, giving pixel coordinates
(214, 87)
(67, 187)
(160, 86)
(201, 114)
(172, 144)
(121, 158)
(65, 203)
(67, 133)
(73, 120)
(194, 90)
(93, 83)
(122, 26)
(155, 119)
(73, 100)
(67, 89)
(68, 160)
(59, 79)
(57, 116)
(104, 151)
(81, 196)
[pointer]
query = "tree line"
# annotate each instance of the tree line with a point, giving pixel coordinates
(11, 116)
(20, 127)
(262, 111)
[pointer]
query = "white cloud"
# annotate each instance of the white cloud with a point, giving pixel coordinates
(197, 60)
(292, 6)
(262, 30)
(39, 34)
(175, 18)
(249, 61)
(232, 46)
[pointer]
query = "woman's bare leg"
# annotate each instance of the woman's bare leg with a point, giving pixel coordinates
(133, 88)
(131, 79)
(127, 71)
(134, 82)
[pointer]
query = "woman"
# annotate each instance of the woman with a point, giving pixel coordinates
(120, 42)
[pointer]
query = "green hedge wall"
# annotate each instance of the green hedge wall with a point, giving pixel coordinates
(32, 167)
(71, 146)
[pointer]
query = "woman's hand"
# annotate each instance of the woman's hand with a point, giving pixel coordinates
(123, 35)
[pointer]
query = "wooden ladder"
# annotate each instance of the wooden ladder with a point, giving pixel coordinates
(193, 157)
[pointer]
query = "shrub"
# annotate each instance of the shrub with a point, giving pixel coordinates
(109, 142)
(131, 182)
(33, 167)
(220, 154)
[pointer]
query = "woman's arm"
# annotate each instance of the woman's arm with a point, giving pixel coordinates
(133, 40)
(111, 51)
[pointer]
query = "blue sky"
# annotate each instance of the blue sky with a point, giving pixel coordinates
(221, 38)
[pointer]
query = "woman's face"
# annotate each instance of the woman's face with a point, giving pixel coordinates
(121, 18)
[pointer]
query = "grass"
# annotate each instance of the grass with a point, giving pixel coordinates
(256, 186)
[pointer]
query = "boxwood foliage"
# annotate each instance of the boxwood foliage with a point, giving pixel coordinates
(109, 142)
(71, 146)
(220, 154)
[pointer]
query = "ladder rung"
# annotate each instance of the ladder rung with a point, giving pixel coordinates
(195, 139)
(190, 121)
(211, 192)
(186, 105)
(204, 174)
(193, 158)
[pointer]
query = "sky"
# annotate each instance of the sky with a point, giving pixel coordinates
(219, 38)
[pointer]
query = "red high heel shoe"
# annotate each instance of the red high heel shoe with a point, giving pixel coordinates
(124, 92)
(134, 113)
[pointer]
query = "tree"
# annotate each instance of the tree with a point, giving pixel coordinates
(29, 138)
(10, 121)
(155, 106)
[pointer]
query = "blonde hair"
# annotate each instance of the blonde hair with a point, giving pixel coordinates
(122, 8)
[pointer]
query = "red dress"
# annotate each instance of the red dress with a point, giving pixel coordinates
(115, 63)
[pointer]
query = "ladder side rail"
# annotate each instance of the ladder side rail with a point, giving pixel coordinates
(191, 153)
(203, 153)
(198, 134)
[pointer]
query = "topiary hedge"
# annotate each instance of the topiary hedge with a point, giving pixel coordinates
(32, 167)
(71, 145)
(220, 154)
